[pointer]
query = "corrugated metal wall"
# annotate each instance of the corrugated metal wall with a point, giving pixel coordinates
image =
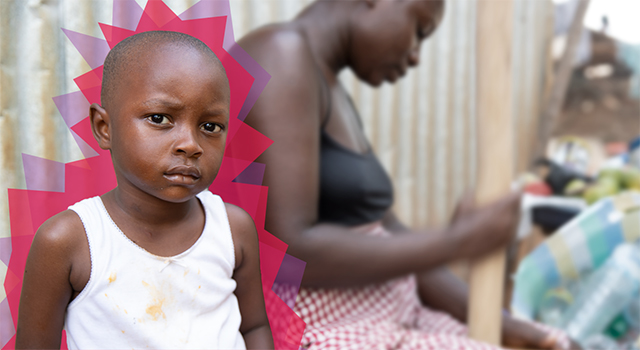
(422, 128)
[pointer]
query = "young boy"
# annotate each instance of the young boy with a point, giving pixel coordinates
(158, 262)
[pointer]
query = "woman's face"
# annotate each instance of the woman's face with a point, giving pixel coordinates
(386, 37)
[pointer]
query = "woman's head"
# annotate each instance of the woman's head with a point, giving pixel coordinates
(385, 36)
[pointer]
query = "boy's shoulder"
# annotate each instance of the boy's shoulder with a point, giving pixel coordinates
(240, 221)
(61, 243)
(63, 230)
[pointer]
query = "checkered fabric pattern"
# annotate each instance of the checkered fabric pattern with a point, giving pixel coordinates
(382, 316)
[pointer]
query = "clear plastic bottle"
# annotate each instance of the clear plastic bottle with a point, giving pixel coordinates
(600, 342)
(632, 314)
(632, 317)
(554, 304)
(605, 294)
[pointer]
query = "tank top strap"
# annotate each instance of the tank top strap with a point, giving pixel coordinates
(218, 228)
(97, 225)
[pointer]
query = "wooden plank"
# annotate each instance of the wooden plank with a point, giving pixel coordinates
(553, 106)
(495, 157)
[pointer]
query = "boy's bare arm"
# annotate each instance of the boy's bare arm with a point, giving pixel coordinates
(255, 325)
(47, 288)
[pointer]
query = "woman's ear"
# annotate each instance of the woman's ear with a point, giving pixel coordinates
(100, 125)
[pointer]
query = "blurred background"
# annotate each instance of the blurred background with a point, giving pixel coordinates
(575, 102)
(422, 128)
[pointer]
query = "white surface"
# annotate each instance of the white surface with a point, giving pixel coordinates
(530, 201)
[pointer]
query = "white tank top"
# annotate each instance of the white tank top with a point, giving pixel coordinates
(137, 300)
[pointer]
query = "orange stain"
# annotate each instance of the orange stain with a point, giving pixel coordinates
(155, 310)
(112, 277)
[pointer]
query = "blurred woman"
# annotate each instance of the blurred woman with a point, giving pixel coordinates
(370, 282)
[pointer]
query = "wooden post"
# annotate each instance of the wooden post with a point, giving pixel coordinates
(555, 100)
(495, 157)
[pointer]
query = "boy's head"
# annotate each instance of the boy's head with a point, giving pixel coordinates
(164, 114)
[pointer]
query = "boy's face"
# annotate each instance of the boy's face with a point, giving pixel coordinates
(168, 124)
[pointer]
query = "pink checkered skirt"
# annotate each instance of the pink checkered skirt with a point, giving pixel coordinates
(381, 316)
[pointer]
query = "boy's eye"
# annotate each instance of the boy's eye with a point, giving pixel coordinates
(211, 127)
(158, 119)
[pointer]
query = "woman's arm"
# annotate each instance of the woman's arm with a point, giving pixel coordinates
(440, 289)
(289, 111)
(255, 325)
(48, 276)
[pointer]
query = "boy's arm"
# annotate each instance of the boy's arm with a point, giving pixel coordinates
(255, 325)
(47, 288)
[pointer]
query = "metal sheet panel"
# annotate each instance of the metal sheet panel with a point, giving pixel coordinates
(422, 128)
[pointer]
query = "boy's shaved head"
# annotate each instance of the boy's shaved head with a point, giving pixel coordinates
(129, 55)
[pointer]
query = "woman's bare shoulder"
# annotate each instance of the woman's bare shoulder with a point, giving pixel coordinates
(292, 96)
(280, 45)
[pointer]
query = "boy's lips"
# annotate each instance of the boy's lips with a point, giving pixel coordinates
(183, 174)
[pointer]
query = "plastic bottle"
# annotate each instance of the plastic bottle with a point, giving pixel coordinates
(605, 295)
(600, 342)
(618, 328)
(632, 318)
(632, 314)
(554, 304)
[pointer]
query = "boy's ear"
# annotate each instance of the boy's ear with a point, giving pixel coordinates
(100, 125)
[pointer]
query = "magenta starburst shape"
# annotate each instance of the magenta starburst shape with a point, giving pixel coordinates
(53, 186)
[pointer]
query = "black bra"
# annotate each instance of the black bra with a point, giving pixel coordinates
(354, 188)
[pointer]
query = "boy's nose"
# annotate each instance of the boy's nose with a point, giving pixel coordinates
(187, 144)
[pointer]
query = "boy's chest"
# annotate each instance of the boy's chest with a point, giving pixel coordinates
(159, 289)
(160, 299)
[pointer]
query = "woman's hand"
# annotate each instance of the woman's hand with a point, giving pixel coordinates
(524, 335)
(483, 229)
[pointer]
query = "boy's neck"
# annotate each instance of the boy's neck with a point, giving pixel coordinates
(148, 210)
(162, 228)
